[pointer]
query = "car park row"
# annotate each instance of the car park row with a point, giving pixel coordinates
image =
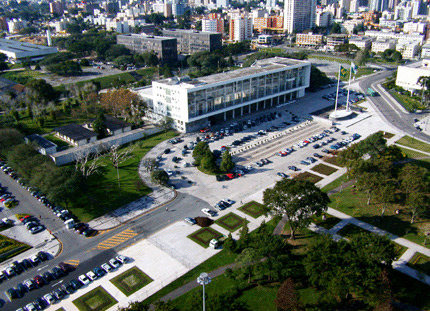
(67, 289)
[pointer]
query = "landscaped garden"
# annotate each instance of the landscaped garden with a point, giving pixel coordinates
(96, 300)
(420, 262)
(414, 143)
(131, 281)
(231, 222)
(308, 176)
(332, 160)
(10, 248)
(326, 221)
(324, 169)
(204, 235)
(253, 209)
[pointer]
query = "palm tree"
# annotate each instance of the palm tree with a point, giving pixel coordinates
(424, 81)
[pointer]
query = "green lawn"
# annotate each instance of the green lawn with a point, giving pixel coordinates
(308, 176)
(409, 103)
(231, 222)
(349, 230)
(354, 202)
(387, 135)
(10, 248)
(335, 183)
(22, 76)
(253, 209)
(324, 169)
(360, 73)
(331, 59)
(414, 143)
(204, 235)
(420, 262)
(96, 300)
(104, 194)
(59, 142)
(332, 160)
(329, 222)
(131, 281)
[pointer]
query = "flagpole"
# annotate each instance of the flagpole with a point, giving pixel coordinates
(337, 90)
(349, 85)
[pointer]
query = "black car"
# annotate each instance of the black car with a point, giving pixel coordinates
(75, 284)
(41, 302)
(26, 263)
(21, 288)
(18, 267)
(48, 276)
(11, 293)
(317, 155)
(220, 177)
(68, 289)
(42, 256)
(58, 272)
(99, 271)
(294, 168)
(58, 293)
(89, 232)
(167, 150)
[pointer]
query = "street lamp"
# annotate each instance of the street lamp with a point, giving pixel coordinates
(204, 279)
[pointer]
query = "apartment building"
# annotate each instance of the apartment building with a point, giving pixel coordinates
(192, 41)
(309, 39)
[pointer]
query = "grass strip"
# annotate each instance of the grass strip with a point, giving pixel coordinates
(414, 143)
(324, 169)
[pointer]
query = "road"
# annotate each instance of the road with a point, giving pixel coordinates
(87, 253)
(389, 110)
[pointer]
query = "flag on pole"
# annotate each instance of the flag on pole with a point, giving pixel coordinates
(343, 72)
(354, 68)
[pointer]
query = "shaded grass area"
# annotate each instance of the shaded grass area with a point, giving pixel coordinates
(332, 160)
(231, 222)
(324, 169)
(349, 230)
(204, 235)
(420, 262)
(5, 227)
(61, 144)
(327, 223)
(131, 281)
(253, 209)
(104, 194)
(10, 248)
(308, 176)
(353, 202)
(414, 143)
(412, 154)
(96, 300)
(387, 135)
(335, 183)
(221, 259)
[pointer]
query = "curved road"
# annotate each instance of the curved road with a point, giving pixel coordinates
(390, 110)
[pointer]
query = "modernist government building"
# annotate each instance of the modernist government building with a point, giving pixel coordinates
(196, 103)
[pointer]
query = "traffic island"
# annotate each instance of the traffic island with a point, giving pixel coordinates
(253, 209)
(231, 222)
(96, 300)
(131, 281)
(204, 235)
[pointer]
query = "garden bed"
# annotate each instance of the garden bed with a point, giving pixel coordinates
(96, 300)
(231, 222)
(324, 169)
(131, 281)
(308, 176)
(204, 235)
(253, 209)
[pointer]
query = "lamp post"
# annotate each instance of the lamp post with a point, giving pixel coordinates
(204, 279)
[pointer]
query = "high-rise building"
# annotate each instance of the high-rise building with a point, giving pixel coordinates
(299, 15)
(270, 4)
(192, 41)
(378, 5)
(213, 25)
(240, 28)
(56, 7)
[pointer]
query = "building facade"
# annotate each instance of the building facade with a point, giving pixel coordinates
(17, 51)
(407, 77)
(309, 39)
(195, 103)
(164, 47)
(381, 45)
(299, 15)
(213, 25)
(192, 41)
(240, 28)
(363, 43)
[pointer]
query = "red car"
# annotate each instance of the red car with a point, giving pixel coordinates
(282, 153)
(230, 175)
(204, 130)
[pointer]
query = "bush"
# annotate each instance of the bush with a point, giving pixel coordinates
(204, 221)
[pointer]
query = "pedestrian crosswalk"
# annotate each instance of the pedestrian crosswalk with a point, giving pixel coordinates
(117, 239)
(72, 262)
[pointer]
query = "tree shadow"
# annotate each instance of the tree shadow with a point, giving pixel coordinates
(391, 223)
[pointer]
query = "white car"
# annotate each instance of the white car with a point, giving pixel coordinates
(114, 263)
(49, 299)
(84, 279)
(91, 275)
(106, 267)
(122, 258)
(231, 202)
(30, 307)
(208, 212)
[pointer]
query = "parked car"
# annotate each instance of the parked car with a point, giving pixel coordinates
(106, 267)
(114, 263)
(209, 212)
(58, 293)
(91, 275)
(122, 259)
(84, 279)
(11, 293)
(100, 272)
(283, 175)
(293, 168)
(76, 284)
(49, 298)
(190, 221)
(30, 284)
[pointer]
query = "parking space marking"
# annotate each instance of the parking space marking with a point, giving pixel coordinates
(73, 262)
(117, 239)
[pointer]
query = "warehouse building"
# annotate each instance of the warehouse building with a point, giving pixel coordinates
(18, 52)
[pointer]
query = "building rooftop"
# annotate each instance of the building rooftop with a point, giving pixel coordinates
(42, 142)
(75, 132)
(191, 31)
(149, 37)
(20, 47)
(114, 124)
(260, 66)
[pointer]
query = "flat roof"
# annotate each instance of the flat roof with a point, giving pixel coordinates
(191, 31)
(260, 66)
(147, 37)
(75, 131)
(41, 141)
(114, 124)
(13, 46)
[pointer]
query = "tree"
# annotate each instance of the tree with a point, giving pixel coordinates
(361, 57)
(317, 79)
(160, 177)
(230, 244)
(166, 123)
(296, 200)
(67, 68)
(135, 306)
(117, 157)
(385, 194)
(88, 163)
(372, 145)
(424, 82)
(122, 102)
(208, 161)
(99, 125)
(227, 163)
(369, 182)
(286, 298)
(150, 164)
(3, 64)
(163, 306)
(199, 151)
(39, 91)
(245, 262)
(8, 138)
(335, 29)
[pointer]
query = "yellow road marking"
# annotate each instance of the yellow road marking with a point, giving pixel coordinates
(117, 239)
